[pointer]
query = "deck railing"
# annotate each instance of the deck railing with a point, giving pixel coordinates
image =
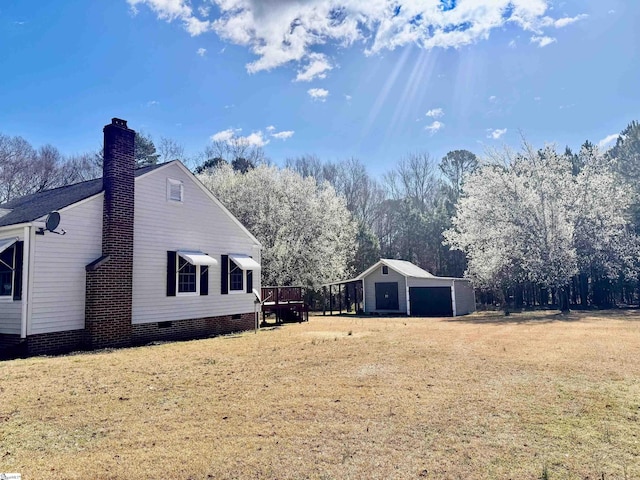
(282, 294)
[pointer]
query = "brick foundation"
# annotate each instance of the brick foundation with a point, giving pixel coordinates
(12, 346)
(55, 343)
(193, 328)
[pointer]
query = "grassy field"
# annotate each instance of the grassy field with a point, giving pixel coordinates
(532, 395)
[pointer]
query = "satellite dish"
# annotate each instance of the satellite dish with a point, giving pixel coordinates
(53, 220)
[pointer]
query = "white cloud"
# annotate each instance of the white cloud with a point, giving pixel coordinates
(318, 93)
(493, 98)
(256, 139)
(435, 113)
(170, 10)
(513, 44)
(434, 127)
(497, 133)
(283, 135)
(348, 98)
(281, 32)
(315, 68)
(611, 12)
(542, 41)
(563, 22)
(608, 140)
(153, 103)
(225, 135)
(202, 51)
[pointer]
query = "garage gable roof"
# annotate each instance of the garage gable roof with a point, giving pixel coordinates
(403, 267)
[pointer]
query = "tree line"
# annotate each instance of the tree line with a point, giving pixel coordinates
(25, 169)
(533, 227)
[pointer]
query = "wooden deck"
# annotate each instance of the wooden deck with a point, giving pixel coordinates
(287, 303)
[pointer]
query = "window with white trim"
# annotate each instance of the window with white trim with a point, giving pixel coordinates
(236, 274)
(236, 277)
(188, 273)
(187, 277)
(11, 269)
(7, 267)
(175, 190)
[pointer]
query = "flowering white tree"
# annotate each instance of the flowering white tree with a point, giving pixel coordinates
(531, 217)
(307, 233)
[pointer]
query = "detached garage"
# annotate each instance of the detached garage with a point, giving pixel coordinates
(400, 287)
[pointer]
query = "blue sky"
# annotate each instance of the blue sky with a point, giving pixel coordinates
(373, 79)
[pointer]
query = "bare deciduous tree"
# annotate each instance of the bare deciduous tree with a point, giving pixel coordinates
(169, 149)
(414, 178)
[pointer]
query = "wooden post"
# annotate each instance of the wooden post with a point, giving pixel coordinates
(340, 298)
(330, 300)
(324, 301)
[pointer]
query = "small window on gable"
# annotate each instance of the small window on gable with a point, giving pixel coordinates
(175, 190)
(385, 270)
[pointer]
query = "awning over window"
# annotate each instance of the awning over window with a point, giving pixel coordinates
(245, 262)
(6, 243)
(197, 258)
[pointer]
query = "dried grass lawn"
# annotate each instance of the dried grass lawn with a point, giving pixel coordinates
(533, 395)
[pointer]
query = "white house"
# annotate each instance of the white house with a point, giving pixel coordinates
(400, 287)
(138, 255)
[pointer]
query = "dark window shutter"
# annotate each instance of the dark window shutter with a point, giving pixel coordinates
(224, 279)
(17, 277)
(171, 273)
(249, 281)
(204, 280)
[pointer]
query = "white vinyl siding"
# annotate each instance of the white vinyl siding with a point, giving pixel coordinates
(11, 310)
(10, 317)
(196, 224)
(59, 275)
(465, 297)
(370, 290)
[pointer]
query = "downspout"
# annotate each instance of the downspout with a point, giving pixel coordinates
(26, 265)
(406, 285)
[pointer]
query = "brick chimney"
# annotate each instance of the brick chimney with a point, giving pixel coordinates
(109, 286)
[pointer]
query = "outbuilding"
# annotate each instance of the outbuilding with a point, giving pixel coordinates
(400, 287)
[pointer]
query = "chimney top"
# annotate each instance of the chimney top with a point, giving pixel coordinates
(118, 122)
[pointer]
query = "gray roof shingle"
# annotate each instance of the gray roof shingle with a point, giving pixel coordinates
(31, 207)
